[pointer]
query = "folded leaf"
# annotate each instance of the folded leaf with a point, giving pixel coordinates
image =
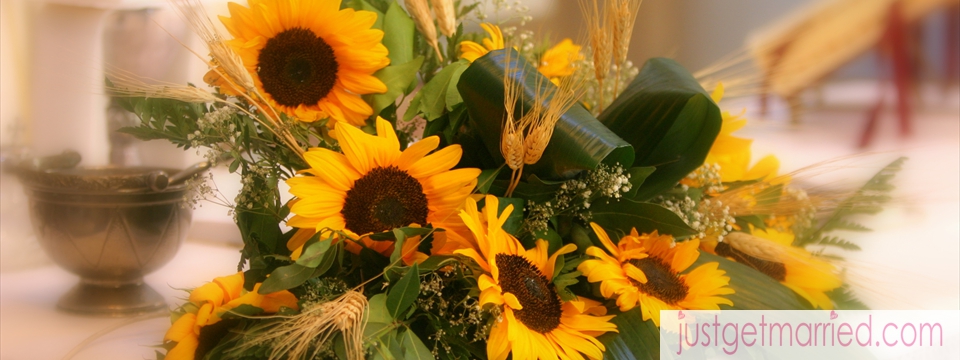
(579, 141)
(670, 121)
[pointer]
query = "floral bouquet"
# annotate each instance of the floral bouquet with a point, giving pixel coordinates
(476, 195)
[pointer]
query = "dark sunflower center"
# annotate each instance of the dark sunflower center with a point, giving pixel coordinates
(662, 282)
(384, 199)
(297, 68)
(541, 304)
(773, 269)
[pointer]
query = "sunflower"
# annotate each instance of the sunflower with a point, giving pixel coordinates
(472, 51)
(732, 154)
(645, 270)
(373, 186)
(310, 59)
(769, 251)
(558, 61)
(207, 305)
(536, 323)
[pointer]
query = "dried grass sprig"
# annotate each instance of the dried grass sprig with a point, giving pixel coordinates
(126, 84)
(601, 43)
(228, 64)
(512, 135)
(541, 128)
(420, 11)
(446, 16)
(622, 17)
(293, 337)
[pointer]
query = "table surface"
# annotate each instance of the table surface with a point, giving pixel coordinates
(910, 261)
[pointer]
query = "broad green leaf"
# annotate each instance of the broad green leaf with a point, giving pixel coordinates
(435, 262)
(626, 214)
(670, 121)
(453, 95)
(744, 222)
(636, 339)
(313, 254)
(377, 309)
(404, 292)
(486, 179)
(433, 95)
(753, 289)
(286, 277)
(244, 310)
(579, 141)
(257, 227)
(638, 175)
(398, 31)
(397, 78)
(413, 347)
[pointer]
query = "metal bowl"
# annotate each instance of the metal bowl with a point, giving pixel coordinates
(108, 226)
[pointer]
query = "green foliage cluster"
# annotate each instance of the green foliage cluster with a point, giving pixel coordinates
(608, 169)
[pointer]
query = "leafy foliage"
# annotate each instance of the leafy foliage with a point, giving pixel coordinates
(670, 121)
(869, 199)
(579, 141)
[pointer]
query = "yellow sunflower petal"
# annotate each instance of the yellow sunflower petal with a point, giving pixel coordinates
(185, 349)
(442, 160)
(181, 328)
(512, 301)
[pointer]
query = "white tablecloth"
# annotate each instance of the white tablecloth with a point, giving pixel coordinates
(32, 328)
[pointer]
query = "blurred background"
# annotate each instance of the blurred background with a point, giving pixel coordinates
(818, 80)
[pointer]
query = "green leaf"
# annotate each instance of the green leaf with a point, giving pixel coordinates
(579, 141)
(838, 242)
(453, 97)
(636, 339)
(869, 199)
(638, 175)
(433, 95)
(845, 299)
(841, 224)
(314, 252)
(377, 309)
(626, 214)
(753, 289)
(396, 78)
(404, 292)
(258, 228)
(244, 310)
(413, 347)
(745, 221)
(435, 262)
(286, 277)
(398, 31)
(486, 179)
(670, 121)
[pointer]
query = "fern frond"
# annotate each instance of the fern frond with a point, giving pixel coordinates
(838, 242)
(869, 199)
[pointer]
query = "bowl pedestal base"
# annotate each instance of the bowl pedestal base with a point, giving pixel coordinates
(119, 300)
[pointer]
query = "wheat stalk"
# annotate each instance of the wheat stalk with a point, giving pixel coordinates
(541, 127)
(446, 16)
(293, 337)
(622, 17)
(601, 44)
(511, 137)
(229, 66)
(123, 83)
(420, 11)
